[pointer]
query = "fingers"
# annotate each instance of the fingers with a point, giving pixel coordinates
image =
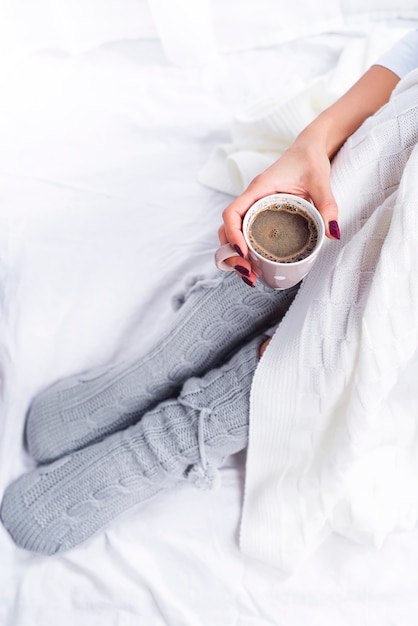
(231, 232)
(238, 263)
(234, 212)
(232, 225)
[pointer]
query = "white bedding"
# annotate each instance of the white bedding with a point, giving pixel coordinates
(102, 218)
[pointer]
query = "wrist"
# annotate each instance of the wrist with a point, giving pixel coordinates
(316, 138)
(327, 133)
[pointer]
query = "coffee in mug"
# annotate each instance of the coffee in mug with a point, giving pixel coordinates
(284, 234)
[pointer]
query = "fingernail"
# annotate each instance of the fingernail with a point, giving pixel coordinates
(242, 270)
(238, 249)
(334, 229)
(247, 282)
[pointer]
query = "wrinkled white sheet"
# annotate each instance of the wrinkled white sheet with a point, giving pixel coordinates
(101, 221)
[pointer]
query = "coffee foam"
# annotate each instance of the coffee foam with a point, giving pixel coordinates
(283, 233)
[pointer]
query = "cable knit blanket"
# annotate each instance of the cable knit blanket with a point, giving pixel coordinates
(334, 409)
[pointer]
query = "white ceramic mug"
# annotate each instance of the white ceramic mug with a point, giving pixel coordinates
(276, 274)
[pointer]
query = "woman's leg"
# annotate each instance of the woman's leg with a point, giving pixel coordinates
(56, 507)
(213, 319)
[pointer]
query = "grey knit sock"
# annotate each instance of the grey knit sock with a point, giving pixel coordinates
(57, 506)
(213, 318)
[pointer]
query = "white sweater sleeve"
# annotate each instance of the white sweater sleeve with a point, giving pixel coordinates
(402, 57)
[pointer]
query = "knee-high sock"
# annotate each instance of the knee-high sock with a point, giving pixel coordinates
(57, 506)
(213, 319)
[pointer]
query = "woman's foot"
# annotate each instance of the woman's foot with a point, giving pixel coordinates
(56, 507)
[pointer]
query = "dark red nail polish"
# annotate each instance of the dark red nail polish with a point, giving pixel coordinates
(238, 249)
(334, 229)
(242, 270)
(247, 282)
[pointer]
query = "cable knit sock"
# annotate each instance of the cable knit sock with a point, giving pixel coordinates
(213, 318)
(58, 506)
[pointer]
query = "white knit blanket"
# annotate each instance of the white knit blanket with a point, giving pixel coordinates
(334, 409)
(333, 428)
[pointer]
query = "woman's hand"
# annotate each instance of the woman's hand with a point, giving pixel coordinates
(303, 170)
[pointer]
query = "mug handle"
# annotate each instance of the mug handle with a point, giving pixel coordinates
(222, 253)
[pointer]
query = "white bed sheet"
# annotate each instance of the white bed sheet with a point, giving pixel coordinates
(102, 220)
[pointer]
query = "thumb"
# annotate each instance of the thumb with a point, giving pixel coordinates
(324, 200)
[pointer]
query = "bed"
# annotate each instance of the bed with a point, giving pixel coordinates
(108, 115)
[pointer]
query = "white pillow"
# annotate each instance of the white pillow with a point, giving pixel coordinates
(71, 25)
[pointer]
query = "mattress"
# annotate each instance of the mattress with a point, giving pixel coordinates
(108, 113)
